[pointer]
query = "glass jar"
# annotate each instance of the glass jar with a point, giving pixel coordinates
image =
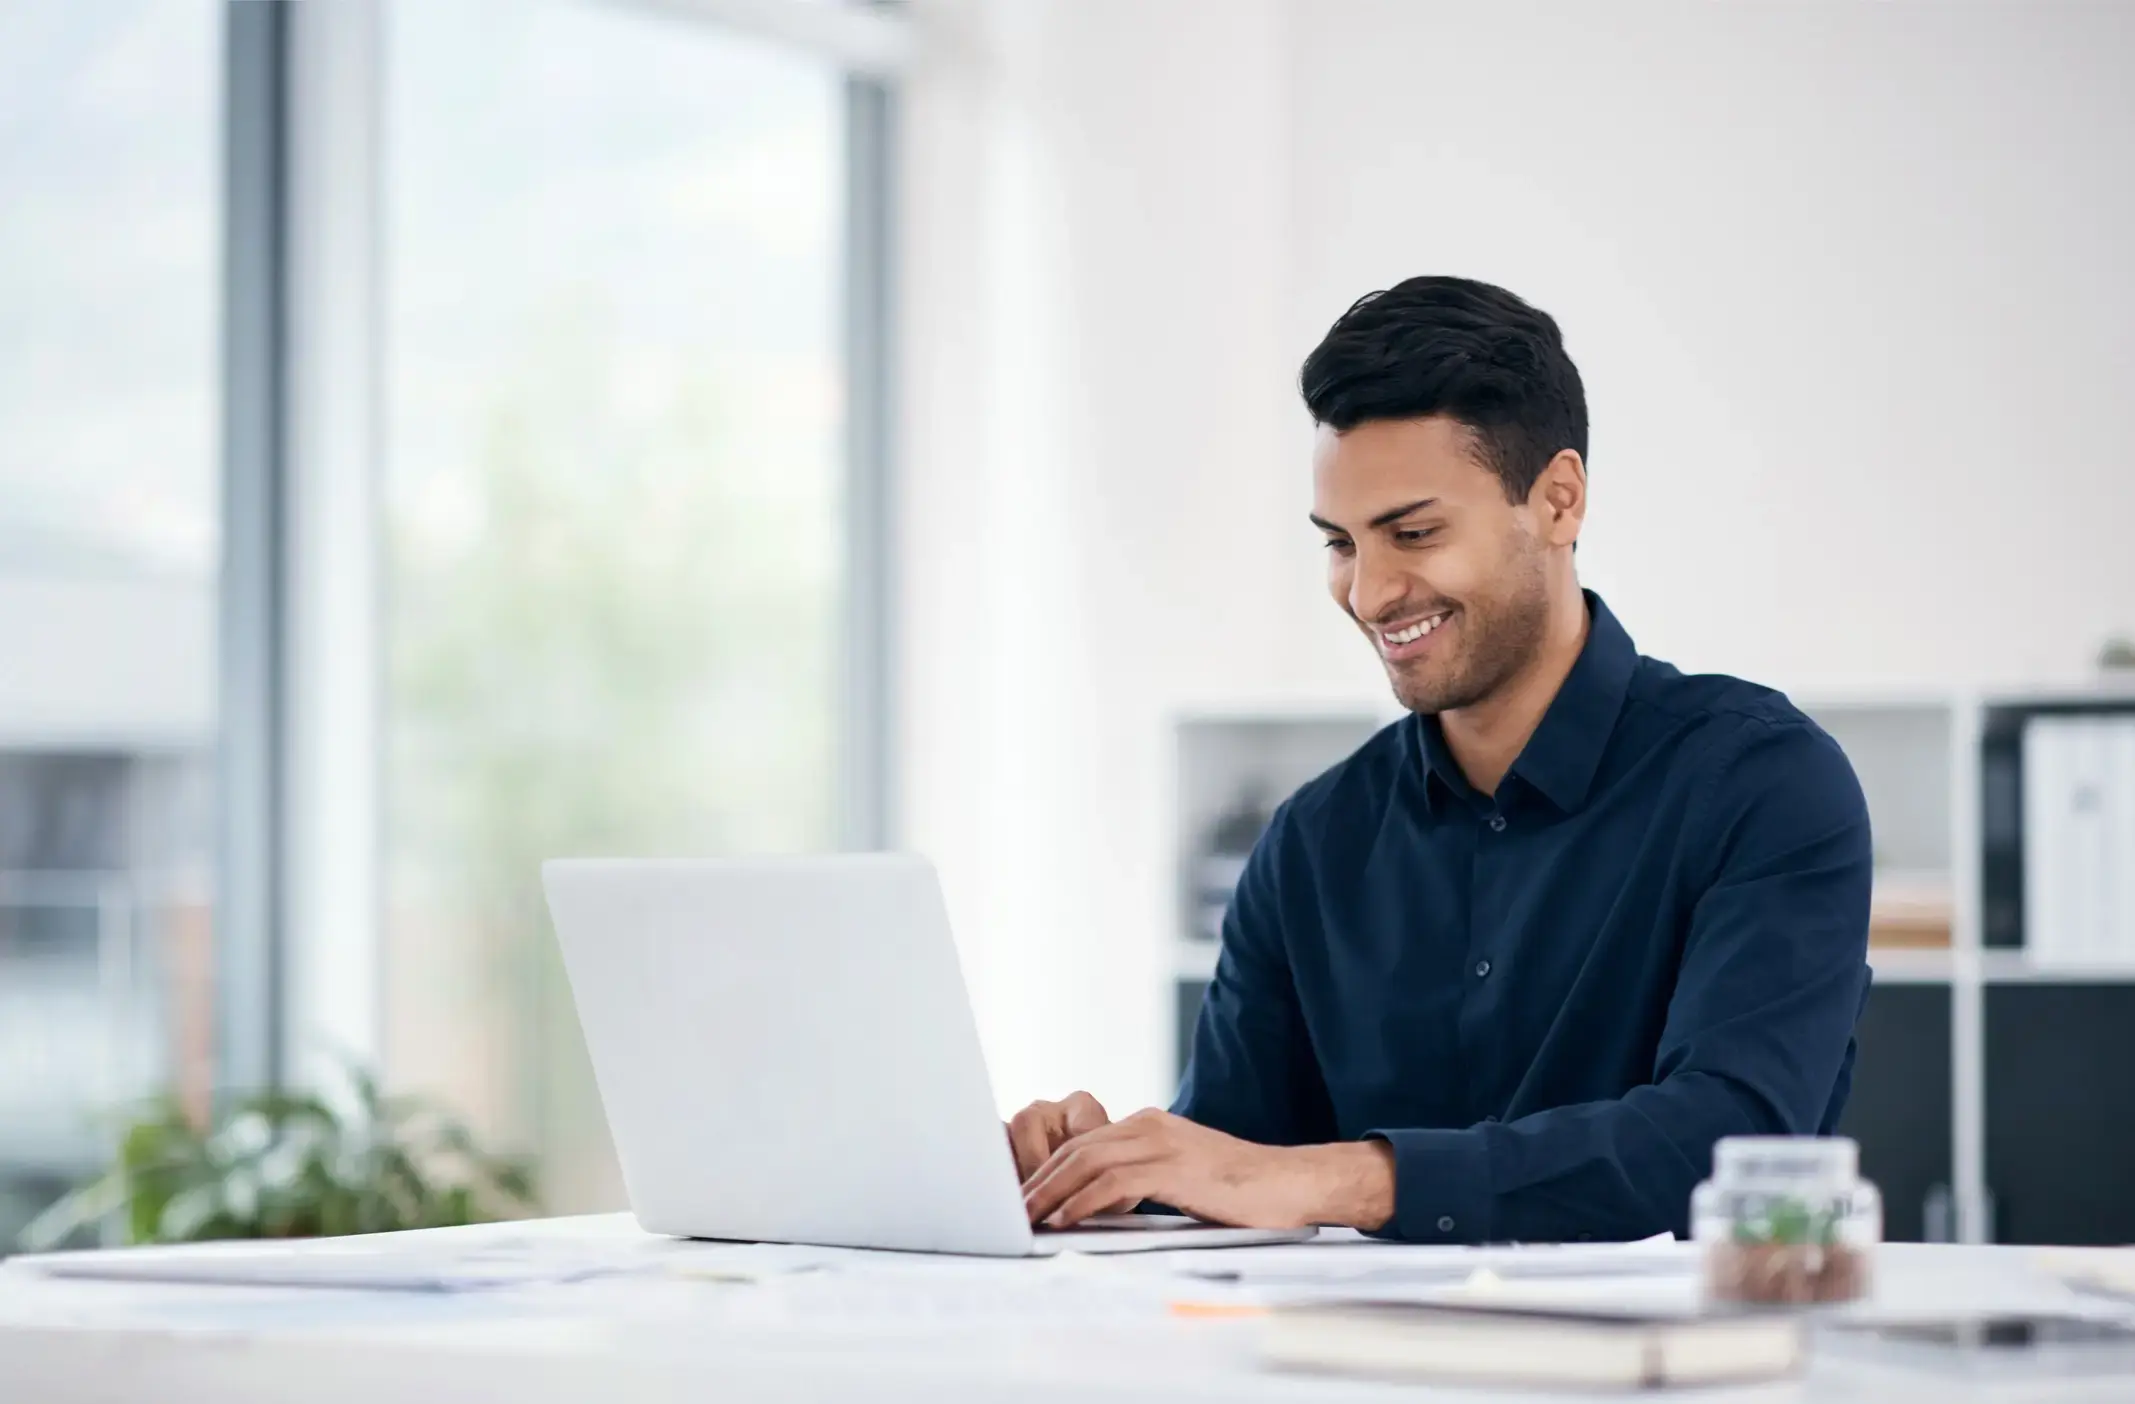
(1787, 1219)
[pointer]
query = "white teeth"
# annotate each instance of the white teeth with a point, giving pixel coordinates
(1414, 631)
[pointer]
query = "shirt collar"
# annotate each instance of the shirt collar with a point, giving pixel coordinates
(1562, 757)
(1441, 773)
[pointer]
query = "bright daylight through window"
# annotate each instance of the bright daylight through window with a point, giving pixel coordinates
(614, 534)
(109, 495)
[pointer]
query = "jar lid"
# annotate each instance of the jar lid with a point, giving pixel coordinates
(1786, 1158)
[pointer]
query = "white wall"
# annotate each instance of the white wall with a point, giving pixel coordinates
(1849, 284)
(1844, 280)
(1094, 371)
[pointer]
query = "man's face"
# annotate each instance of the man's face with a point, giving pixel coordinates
(1445, 577)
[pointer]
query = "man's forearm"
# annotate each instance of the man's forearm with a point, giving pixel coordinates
(1350, 1184)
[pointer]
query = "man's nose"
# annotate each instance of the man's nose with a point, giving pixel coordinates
(1375, 588)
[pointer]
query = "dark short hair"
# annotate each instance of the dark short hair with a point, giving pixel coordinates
(1467, 350)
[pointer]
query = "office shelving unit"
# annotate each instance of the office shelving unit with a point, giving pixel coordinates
(1994, 1100)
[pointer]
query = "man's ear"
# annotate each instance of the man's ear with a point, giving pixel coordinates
(1558, 498)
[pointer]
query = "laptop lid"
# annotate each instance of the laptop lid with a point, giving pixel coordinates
(786, 1051)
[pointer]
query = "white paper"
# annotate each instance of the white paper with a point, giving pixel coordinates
(1363, 1261)
(379, 1270)
(405, 1262)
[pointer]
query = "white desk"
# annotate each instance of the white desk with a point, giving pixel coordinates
(646, 1339)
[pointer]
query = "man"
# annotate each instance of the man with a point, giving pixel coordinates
(1509, 971)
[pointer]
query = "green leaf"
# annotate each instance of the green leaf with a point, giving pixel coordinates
(79, 1212)
(277, 1163)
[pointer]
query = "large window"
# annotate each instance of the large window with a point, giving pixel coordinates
(615, 418)
(109, 496)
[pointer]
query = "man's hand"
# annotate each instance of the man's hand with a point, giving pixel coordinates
(1155, 1155)
(1044, 1127)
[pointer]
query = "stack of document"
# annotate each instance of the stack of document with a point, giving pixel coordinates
(2079, 842)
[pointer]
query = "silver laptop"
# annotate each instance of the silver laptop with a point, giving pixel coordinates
(786, 1054)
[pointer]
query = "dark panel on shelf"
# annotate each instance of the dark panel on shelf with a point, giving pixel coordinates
(2001, 829)
(1900, 1107)
(1189, 1009)
(2060, 1113)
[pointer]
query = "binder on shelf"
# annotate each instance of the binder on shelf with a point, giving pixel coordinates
(2120, 851)
(2082, 865)
(2045, 800)
(2079, 841)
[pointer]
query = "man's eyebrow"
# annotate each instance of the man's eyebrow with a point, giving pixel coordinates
(1387, 518)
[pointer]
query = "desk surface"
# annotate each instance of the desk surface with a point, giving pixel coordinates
(924, 1329)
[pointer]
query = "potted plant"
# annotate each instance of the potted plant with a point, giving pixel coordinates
(279, 1164)
(1791, 1252)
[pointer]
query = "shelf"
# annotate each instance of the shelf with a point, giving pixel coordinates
(1852, 701)
(2109, 688)
(2112, 690)
(1904, 965)
(2004, 967)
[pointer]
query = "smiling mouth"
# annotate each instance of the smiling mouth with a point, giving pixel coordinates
(1422, 628)
(1410, 640)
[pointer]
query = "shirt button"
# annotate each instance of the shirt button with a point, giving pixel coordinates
(1482, 970)
(1497, 823)
(1445, 1223)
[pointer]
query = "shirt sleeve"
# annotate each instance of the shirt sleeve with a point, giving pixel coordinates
(1252, 1073)
(1758, 1035)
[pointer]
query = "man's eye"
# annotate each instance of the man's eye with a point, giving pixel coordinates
(1339, 546)
(1410, 536)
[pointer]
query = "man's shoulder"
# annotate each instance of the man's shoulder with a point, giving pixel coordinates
(1345, 788)
(1753, 733)
(1664, 699)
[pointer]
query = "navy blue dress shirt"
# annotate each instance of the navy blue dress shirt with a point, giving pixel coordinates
(1552, 1002)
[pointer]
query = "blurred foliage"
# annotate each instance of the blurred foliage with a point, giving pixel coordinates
(1787, 1221)
(290, 1165)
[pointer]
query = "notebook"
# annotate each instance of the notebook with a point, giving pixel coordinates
(1461, 1343)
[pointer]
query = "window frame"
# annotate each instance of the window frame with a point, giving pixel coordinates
(301, 865)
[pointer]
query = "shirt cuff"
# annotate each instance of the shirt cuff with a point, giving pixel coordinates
(1441, 1186)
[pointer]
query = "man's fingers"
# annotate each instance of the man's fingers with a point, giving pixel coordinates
(1100, 1196)
(1110, 1131)
(1030, 1138)
(1042, 1128)
(1074, 1166)
(1083, 1113)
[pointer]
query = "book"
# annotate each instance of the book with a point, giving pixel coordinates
(2072, 811)
(2120, 857)
(1460, 1343)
